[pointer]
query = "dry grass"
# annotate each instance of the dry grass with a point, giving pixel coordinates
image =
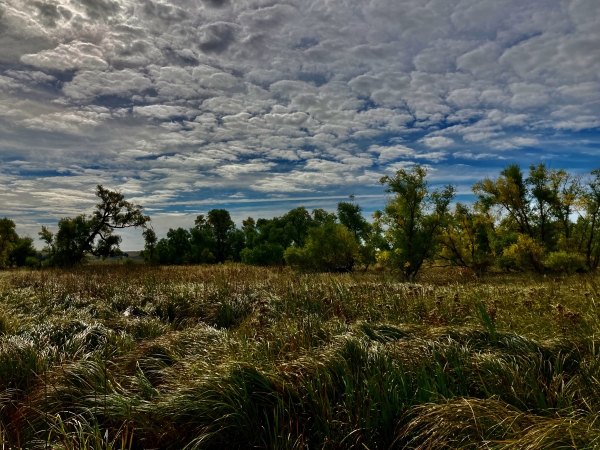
(233, 356)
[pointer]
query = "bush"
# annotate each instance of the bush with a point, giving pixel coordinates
(330, 248)
(265, 254)
(565, 262)
(526, 254)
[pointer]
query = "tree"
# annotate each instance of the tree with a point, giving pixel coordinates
(509, 192)
(220, 223)
(23, 253)
(414, 218)
(8, 236)
(263, 254)
(329, 248)
(350, 215)
(297, 223)
(93, 235)
(150, 239)
(466, 239)
(588, 226)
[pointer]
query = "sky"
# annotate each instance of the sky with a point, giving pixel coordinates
(260, 106)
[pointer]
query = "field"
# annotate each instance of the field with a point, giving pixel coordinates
(138, 357)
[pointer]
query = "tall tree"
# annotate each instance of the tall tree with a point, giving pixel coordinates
(82, 235)
(414, 218)
(220, 223)
(350, 215)
(8, 236)
(508, 192)
(588, 226)
(150, 239)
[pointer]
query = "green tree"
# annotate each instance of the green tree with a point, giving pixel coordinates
(587, 229)
(150, 239)
(263, 254)
(23, 253)
(509, 192)
(176, 248)
(329, 248)
(8, 236)
(219, 222)
(350, 215)
(414, 218)
(297, 223)
(94, 235)
(465, 239)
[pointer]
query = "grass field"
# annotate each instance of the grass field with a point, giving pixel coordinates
(137, 357)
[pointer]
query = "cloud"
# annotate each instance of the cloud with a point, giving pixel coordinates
(217, 37)
(437, 141)
(89, 84)
(217, 98)
(76, 55)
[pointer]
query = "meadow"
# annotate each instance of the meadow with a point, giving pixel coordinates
(232, 356)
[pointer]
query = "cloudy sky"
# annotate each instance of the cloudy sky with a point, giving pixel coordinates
(259, 106)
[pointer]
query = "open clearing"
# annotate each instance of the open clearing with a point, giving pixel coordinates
(237, 357)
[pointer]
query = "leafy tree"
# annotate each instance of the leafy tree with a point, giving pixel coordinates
(526, 254)
(219, 222)
(266, 242)
(414, 218)
(250, 232)
(23, 253)
(329, 248)
(465, 239)
(588, 226)
(297, 223)
(150, 239)
(263, 254)
(350, 215)
(8, 236)
(176, 248)
(82, 235)
(509, 192)
(543, 199)
(321, 217)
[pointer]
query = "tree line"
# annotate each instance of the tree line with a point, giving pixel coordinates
(543, 221)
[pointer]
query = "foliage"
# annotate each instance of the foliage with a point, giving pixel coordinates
(565, 262)
(263, 254)
(8, 235)
(526, 254)
(82, 235)
(329, 248)
(465, 239)
(414, 218)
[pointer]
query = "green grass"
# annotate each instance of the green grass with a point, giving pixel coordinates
(115, 357)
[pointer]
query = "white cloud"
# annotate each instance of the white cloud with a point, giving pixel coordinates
(283, 97)
(72, 56)
(437, 141)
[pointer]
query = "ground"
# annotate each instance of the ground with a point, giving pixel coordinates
(231, 356)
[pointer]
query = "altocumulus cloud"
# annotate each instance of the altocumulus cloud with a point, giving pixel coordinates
(196, 103)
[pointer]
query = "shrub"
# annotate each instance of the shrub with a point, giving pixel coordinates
(330, 248)
(526, 254)
(565, 262)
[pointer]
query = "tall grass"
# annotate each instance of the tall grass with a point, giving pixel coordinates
(105, 357)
